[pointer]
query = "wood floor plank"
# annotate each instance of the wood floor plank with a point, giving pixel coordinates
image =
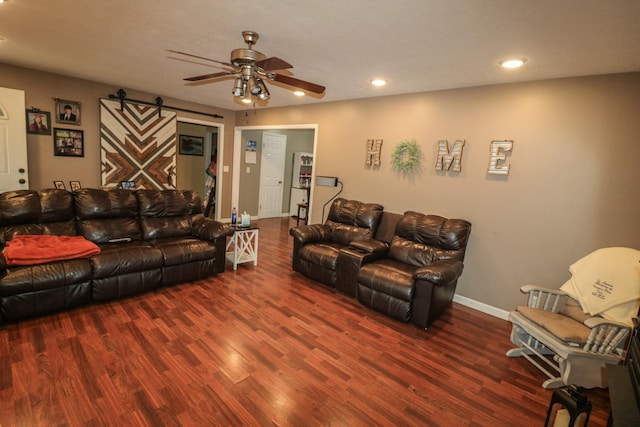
(261, 346)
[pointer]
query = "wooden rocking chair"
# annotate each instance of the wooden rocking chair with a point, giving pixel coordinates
(568, 346)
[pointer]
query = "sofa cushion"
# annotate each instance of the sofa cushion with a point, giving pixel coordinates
(343, 234)
(50, 211)
(389, 277)
(324, 255)
(353, 212)
(410, 252)
(104, 215)
(19, 207)
(422, 239)
(122, 258)
(40, 277)
(164, 213)
(563, 327)
(184, 250)
(351, 220)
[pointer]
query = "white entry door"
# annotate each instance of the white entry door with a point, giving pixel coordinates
(13, 141)
(272, 161)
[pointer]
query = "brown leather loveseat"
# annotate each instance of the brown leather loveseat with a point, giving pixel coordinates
(147, 239)
(406, 266)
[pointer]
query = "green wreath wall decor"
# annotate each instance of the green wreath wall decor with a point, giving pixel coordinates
(406, 156)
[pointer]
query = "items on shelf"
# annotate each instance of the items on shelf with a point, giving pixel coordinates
(300, 180)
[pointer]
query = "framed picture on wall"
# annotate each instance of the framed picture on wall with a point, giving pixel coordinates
(38, 122)
(75, 185)
(67, 112)
(59, 185)
(68, 142)
(191, 145)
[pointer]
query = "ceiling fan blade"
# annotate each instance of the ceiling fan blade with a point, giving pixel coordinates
(273, 63)
(209, 81)
(200, 63)
(199, 57)
(292, 81)
(209, 76)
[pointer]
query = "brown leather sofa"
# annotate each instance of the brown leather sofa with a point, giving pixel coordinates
(407, 266)
(147, 239)
(316, 246)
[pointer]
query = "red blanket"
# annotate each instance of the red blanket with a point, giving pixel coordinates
(40, 249)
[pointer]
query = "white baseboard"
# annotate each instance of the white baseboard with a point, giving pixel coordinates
(480, 306)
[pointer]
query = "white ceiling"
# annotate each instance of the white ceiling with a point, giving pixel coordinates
(418, 45)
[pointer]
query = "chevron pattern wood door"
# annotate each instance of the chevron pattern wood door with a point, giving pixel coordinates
(136, 144)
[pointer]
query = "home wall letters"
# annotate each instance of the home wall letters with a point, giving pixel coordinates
(451, 159)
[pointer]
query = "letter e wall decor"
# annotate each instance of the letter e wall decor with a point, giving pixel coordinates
(497, 163)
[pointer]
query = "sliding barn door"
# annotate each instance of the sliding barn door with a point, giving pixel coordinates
(137, 144)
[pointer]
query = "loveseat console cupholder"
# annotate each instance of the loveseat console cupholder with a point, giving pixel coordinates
(361, 251)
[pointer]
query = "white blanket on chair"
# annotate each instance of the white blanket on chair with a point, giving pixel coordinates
(607, 283)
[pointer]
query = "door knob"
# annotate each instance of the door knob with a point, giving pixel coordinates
(21, 170)
(22, 180)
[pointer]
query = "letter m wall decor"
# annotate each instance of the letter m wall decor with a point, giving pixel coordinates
(137, 144)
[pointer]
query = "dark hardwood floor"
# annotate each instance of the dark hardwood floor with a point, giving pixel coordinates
(264, 346)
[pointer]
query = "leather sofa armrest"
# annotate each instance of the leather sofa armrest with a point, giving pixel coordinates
(3, 265)
(440, 272)
(310, 233)
(208, 229)
(371, 246)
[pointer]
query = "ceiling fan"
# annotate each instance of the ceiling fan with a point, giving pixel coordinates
(250, 69)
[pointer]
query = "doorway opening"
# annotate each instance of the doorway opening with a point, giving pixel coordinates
(246, 177)
(197, 169)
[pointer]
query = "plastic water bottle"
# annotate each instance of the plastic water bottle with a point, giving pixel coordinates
(234, 216)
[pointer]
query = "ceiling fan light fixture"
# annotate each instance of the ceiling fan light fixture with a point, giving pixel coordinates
(253, 86)
(263, 95)
(238, 88)
(512, 63)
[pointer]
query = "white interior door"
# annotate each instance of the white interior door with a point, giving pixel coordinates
(274, 148)
(13, 141)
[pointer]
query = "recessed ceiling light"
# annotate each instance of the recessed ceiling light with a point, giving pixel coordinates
(298, 92)
(513, 63)
(378, 82)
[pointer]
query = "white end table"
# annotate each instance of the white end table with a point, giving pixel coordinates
(242, 245)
